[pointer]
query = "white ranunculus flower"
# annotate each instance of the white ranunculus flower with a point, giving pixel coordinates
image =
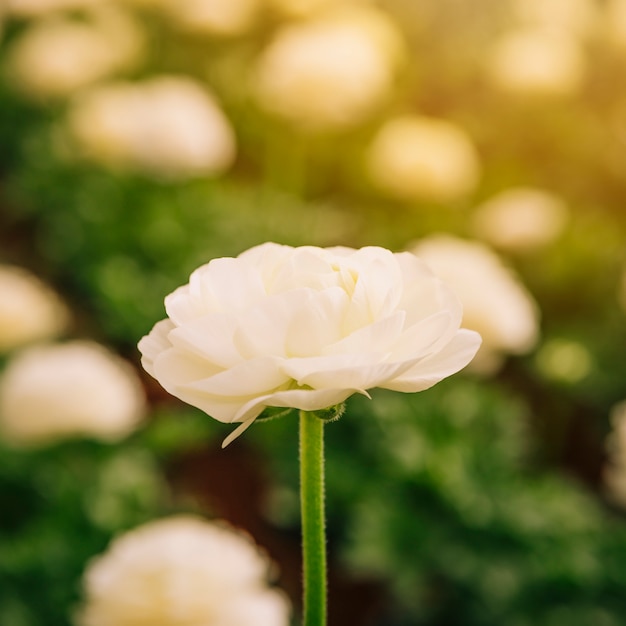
(538, 62)
(306, 8)
(51, 392)
(332, 71)
(416, 157)
(495, 303)
(573, 17)
(181, 571)
(614, 23)
(37, 8)
(521, 218)
(216, 17)
(305, 328)
(168, 126)
(29, 310)
(56, 56)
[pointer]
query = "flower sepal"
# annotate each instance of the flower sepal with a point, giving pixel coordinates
(330, 414)
(274, 412)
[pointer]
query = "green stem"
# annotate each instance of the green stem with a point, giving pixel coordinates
(313, 526)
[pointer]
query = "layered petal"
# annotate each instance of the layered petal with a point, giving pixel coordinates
(209, 337)
(429, 371)
(154, 344)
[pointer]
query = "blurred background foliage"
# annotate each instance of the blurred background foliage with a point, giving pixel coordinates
(141, 138)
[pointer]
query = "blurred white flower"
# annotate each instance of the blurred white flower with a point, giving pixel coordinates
(56, 56)
(307, 8)
(51, 392)
(305, 328)
(37, 8)
(572, 17)
(29, 310)
(218, 17)
(332, 71)
(169, 126)
(536, 61)
(495, 303)
(615, 469)
(521, 218)
(614, 23)
(415, 157)
(181, 571)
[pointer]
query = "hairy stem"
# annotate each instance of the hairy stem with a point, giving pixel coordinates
(313, 521)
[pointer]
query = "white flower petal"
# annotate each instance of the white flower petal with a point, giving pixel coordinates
(247, 378)
(357, 376)
(424, 337)
(300, 369)
(181, 307)
(424, 294)
(317, 323)
(303, 399)
(238, 431)
(381, 279)
(380, 337)
(429, 371)
(154, 344)
(223, 409)
(209, 337)
(180, 368)
(262, 329)
(227, 285)
(309, 399)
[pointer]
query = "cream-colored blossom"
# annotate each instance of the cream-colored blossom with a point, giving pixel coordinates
(615, 469)
(495, 303)
(181, 571)
(50, 392)
(38, 8)
(537, 61)
(614, 23)
(56, 56)
(307, 8)
(521, 218)
(572, 17)
(29, 310)
(169, 126)
(416, 157)
(329, 72)
(218, 17)
(305, 328)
